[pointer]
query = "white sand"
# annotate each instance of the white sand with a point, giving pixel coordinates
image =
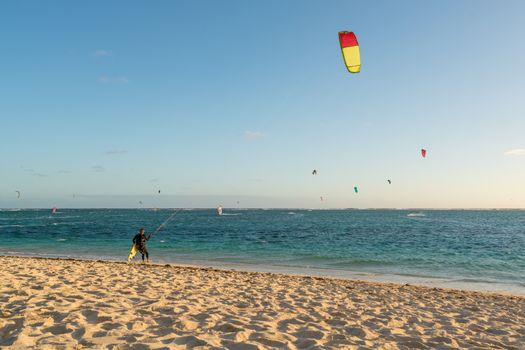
(65, 304)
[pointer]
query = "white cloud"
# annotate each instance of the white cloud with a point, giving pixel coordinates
(515, 152)
(116, 151)
(101, 53)
(104, 79)
(38, 174)
(33, 172)
(253, 135)
(98, 168)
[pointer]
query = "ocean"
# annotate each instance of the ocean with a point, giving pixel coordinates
(470, 249)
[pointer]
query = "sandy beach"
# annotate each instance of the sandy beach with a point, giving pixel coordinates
(68, 304)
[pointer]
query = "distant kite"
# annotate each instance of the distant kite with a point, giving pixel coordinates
(314, 172)
(159, 191)
(321, 198)
(389, 182)
(423, 152)
(18, 194)
(351, 53)
(140, 202)
(355, 189)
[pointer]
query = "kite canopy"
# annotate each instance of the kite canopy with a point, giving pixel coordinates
(355, 189)
(423, 152)
(351, 53)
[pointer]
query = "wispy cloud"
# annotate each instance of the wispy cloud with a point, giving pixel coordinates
(33, 172)
(104, 79)
(116, 151)
(515, 152)
(98, 168)
(101, 53)
(253, 135)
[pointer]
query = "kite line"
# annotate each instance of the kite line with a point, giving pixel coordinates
(165, 222)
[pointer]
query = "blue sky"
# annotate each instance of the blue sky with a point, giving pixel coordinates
(218, 102)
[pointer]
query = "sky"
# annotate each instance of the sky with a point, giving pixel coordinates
(104, 103)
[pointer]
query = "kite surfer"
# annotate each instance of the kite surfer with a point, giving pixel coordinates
(140, 239)
(139, 244)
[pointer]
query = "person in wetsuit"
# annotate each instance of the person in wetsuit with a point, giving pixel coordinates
(140, 241)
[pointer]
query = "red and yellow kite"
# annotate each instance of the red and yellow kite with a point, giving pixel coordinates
(351, 54)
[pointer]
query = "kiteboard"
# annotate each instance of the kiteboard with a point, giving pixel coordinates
(132, 252)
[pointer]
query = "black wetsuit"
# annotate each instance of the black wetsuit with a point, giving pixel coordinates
(140, 241)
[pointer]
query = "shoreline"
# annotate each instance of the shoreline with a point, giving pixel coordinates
(268, 208)
(316, 272)
(67, 303)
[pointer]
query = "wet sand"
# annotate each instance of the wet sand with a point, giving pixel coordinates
(69, 304)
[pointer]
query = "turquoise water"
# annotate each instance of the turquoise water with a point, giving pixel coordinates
(480, 248)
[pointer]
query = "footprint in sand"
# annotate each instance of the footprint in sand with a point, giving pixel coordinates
(137, 326)
(10, 332)
(108, 326)
(356, 332)
(190, 341)
(239, 346)
(305, 343)
(99, 334)
(227, 328)
(336, 322)
(270, 342)
(78, 333)
(92, 317)
(309, 334)
(57, 329)
(128, 338)
(283, 324)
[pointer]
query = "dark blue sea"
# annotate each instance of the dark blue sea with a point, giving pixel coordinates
(482, 250)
